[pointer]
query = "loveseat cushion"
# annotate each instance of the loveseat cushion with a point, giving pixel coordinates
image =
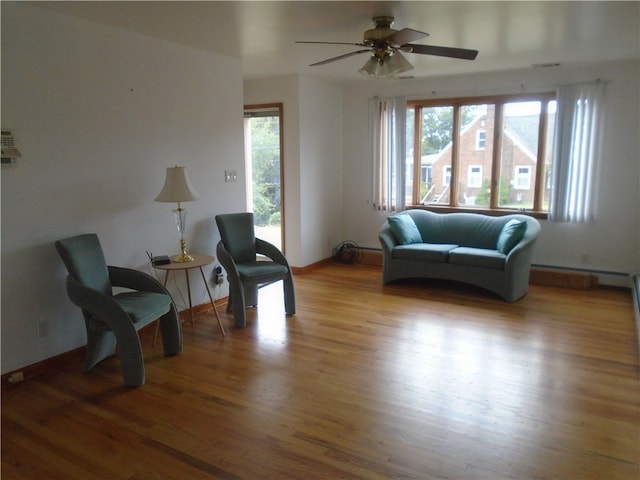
(404, 229)
(510, 235)
(477, 257)
(424, 252)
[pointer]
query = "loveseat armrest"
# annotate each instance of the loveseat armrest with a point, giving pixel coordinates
(518, 263)
(387, 239)
(522, 253)
(388, 242)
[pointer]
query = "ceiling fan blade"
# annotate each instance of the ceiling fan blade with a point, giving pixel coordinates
(340, 57)
(406, 35)
(462, 53)
(335, 43)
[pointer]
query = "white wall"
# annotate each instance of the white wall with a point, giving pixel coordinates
(98, 114)
(611, 243)
(320, 168)
(312, 162)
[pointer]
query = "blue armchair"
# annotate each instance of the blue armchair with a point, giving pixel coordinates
(237, 251)
(114, 319)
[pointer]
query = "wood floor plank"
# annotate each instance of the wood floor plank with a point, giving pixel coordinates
(414, 380)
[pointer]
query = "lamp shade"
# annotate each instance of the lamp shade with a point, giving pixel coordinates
(177, 187)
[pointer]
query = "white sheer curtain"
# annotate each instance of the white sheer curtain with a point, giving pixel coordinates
(387, 125)
(576, 152)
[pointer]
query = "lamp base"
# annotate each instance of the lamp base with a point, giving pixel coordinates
(182, 258)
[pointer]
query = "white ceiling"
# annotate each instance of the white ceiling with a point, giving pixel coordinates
(262, 34)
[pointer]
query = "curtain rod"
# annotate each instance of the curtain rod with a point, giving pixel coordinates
(523, 88)
(592, 82)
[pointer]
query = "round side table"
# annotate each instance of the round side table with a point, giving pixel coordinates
(198, 262)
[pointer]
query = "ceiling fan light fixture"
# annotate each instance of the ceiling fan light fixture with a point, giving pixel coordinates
(386, 66)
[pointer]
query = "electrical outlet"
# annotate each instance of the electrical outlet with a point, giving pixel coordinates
(230, 176)
(218, 277)
(16, 377)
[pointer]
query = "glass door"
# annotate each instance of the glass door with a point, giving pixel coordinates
(264, 167)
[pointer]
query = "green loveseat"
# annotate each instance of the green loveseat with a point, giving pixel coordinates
(491, 252)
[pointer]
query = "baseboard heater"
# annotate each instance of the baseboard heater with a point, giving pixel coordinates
(582, 270)
(570, 277)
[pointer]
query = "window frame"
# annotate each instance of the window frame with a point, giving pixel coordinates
(499, 101)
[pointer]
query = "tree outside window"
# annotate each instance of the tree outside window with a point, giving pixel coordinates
(265, 151)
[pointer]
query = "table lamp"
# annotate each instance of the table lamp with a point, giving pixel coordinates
(177, 188)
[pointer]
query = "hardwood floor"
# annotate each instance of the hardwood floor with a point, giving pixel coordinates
(417, 380)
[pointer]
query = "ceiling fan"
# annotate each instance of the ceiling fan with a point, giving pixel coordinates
(385, 44)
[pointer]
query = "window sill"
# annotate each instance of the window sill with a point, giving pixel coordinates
(484, 211)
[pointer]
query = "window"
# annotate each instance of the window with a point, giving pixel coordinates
(523, 178)
(426, 173)
(430, 145)
(491, 153)
(446, 180)
(481, 139)
(474, 179)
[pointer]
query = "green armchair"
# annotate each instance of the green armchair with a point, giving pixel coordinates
(237, 252)
(114, 319)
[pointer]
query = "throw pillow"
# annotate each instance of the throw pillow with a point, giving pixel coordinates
(404, 229)
(511, 234)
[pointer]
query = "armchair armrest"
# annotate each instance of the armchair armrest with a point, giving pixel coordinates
(96, 303)
(225, 258)
(268, 249)
(135, 280)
